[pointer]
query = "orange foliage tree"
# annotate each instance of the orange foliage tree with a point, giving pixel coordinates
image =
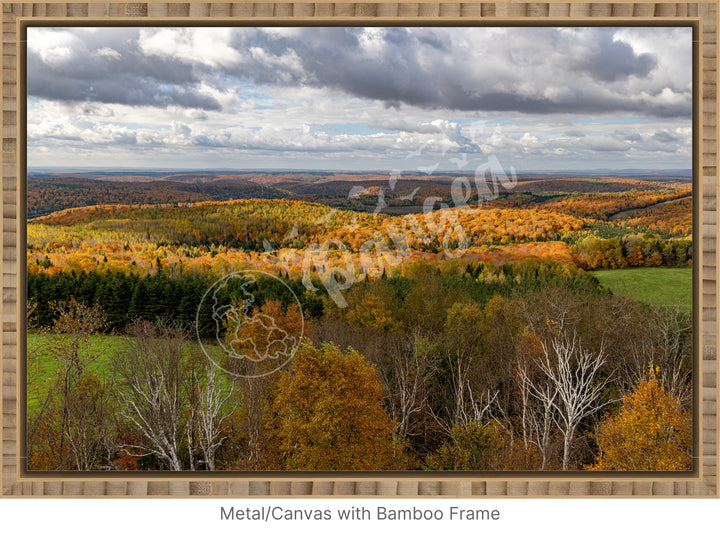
(258, 344)
(330, 414)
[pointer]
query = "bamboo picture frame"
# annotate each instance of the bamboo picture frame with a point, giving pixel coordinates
(700, 482)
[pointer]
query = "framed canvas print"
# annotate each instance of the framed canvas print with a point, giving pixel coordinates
(358, 249)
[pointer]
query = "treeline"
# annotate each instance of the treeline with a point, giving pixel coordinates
(125, 298)
(631, 250)
(464, 366)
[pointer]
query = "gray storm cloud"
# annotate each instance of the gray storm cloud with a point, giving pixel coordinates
(526, 70)
(76, 72)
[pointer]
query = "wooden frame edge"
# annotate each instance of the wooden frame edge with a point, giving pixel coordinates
(703, 481)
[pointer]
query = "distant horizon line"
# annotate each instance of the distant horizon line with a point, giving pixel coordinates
(90, 169)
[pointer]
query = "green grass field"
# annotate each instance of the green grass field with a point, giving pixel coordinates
(653, 285)
(43, 368)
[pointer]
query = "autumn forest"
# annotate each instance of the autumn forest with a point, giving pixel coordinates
(432, 321)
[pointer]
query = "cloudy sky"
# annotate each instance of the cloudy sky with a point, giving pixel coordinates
(360, 98)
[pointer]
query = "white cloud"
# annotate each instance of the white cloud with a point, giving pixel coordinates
(108, 53)
(283, 96)
(206, 46)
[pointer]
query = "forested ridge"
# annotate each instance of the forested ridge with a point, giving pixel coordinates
(48, 195)
(198, 237)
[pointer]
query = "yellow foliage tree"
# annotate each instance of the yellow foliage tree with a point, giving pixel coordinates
(330, 415)
(375, 308)
(651, 432)
(473, 446)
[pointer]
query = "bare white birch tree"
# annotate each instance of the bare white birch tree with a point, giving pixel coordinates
(406, 384)
(575, 384)
(464, 406)
(461, 361)
(209, 414)
(153, 386)
(538, 416)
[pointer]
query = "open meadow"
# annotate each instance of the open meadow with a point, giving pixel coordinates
(656, 286)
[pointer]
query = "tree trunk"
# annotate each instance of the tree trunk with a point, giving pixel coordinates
(569, 434)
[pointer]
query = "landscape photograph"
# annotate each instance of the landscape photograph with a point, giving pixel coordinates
(417, 249)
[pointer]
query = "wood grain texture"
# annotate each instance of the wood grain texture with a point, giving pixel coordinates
(703, 483)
